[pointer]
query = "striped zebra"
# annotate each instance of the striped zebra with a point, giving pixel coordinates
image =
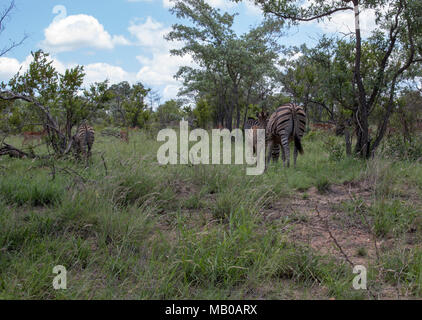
(255, 124)
(287, 123)
(84, 139)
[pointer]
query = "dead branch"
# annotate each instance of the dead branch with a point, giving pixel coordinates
(327, 227)
(13, 152)
(361, 212)
(104, 162)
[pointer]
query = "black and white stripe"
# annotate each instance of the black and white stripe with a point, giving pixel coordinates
(251, 122)
(84, 140)
(254, 124)
(287, 123)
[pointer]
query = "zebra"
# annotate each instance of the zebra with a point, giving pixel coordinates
(255, 124)
(84, 139)
(287, 123)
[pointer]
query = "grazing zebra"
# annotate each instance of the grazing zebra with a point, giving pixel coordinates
(255, 124)
(287, 123)
(84, 139)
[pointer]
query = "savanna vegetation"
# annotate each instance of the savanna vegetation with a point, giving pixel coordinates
(126, 227)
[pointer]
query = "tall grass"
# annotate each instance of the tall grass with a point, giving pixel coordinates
(128, 228)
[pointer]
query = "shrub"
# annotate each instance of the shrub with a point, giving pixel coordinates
(335, 148)
(395, 147)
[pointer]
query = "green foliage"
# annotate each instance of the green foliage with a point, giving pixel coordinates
(395, 147)
(392, 218)
(30, 191)
(179, 232)
(55, 100)
(335, 148)
(169, 112)
(202, 114)
(128, 105)
(405, 268)
(40, 80)
(232, 70)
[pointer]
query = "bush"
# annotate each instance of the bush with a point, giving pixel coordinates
(335, 148)
(394, 147)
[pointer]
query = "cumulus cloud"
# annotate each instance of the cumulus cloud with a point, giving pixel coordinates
(220, 4)
(79, 31)
(344, 22)
(95, 72)
(150, 34)
(252, 9)
(8, 68)
(160, 69)
(167, 4)
(170, 92)
(159, 66)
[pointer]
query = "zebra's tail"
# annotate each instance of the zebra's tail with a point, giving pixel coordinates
(89, 137)
(298, 143)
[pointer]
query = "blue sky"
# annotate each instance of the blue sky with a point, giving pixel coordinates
(118, 39)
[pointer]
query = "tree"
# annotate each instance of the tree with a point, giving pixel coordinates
(397, 49)
(169, 112)
(56, 100)
(202, 114)
(229, 66)
(128, 104)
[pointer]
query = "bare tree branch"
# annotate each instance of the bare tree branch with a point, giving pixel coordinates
(3, 16)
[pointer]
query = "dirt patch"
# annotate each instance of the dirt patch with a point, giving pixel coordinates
(316, 219)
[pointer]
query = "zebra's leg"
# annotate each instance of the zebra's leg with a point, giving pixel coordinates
(295, 156)
(283, 154)
(89, 151)
(286, 149)
(276, 152)
(270, 144)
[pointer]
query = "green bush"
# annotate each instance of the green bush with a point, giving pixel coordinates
(335, 148)
(395, 147)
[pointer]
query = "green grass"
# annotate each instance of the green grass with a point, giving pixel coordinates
(128, 228)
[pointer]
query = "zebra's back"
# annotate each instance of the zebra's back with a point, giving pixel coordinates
(287, 123)
(251, 122)
(252, 125)
(289, 119)
(85, 137)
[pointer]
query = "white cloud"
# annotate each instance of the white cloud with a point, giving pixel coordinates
(8, 68)
(167, 4)
(252, 9)
(170, 92)
(150, 34)
(220, 4)
(159, 66)
(79, 31)
(344, 22)
(97, 72)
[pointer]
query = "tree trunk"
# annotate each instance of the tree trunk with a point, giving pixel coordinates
(363, 143)
(347, 137)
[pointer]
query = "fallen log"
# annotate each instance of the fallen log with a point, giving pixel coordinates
(13, 152)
